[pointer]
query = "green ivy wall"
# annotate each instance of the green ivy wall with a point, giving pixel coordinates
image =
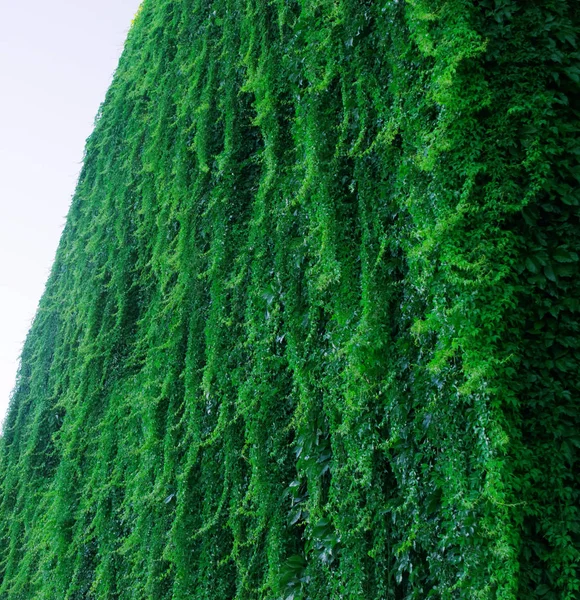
(312, 331)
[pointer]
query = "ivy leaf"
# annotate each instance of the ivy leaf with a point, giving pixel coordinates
(543, 589)
(294, 516)
(549, 273)
(566, 270)
(563, 256)
(531, 266)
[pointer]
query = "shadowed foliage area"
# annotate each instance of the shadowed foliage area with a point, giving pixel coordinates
(312, 329)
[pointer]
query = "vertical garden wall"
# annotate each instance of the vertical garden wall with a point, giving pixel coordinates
(312, 329)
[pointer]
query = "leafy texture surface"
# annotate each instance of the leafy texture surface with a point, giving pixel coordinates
(312, 328)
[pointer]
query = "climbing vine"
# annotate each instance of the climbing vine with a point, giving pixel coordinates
(312, 328)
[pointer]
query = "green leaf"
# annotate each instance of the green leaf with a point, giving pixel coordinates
(543, 589)
(564, 256)
(549, 273)
(531, 265)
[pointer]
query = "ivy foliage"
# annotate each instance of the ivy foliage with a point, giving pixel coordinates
(312, 328)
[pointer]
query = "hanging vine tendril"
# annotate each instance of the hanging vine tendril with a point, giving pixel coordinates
(312, 328)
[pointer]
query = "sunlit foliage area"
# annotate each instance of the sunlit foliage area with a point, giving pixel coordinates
(312, 329)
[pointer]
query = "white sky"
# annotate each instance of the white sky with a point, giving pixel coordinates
(56, 62)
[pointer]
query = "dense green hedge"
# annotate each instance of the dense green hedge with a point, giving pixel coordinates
(312, 330)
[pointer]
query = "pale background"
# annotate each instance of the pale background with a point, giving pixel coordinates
(57, 59)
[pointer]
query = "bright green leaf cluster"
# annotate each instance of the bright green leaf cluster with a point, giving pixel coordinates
(312, 331)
